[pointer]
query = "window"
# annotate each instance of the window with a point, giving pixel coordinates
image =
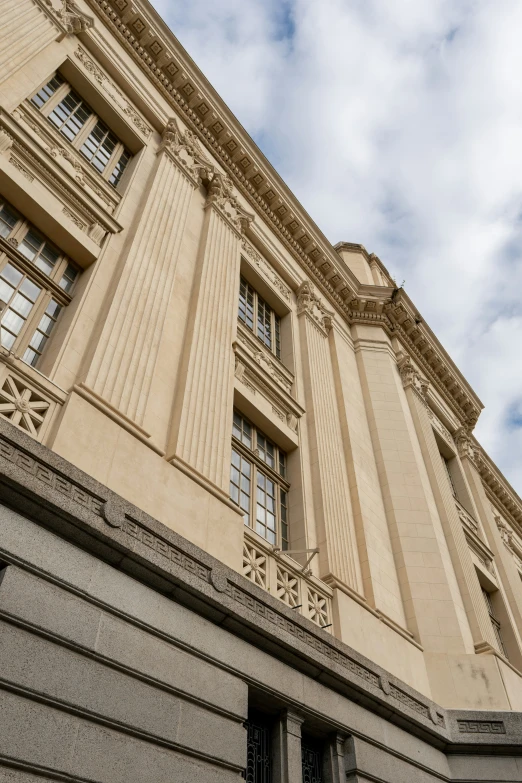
(494, 622)
(75, 120)
(35, 280)
(258, 482)
(259, 317)
(259, 763)
(311, 761)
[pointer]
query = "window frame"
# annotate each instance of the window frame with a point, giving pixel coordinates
(80, 139)
(49, 285)
(259, 304)
(258, 466)
(495, 622)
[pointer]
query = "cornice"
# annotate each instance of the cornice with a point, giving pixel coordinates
(144, 34)
(497, 487)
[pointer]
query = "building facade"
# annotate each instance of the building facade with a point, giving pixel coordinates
(247, 529)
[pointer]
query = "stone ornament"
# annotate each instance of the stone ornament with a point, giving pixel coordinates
(185, 148)
(309, 303)
(113, 513)
(222, 196)
(70, 15)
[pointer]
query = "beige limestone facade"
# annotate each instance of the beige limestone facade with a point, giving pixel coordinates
(176, 326)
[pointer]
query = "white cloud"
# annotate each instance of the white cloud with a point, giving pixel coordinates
(398, 125)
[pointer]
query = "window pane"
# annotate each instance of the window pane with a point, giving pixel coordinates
(277, 323)
(30, 290)
(70, 116)
(30, 357)
(68, 278)
(99, 146)
(240, 483)
(7, 338)
(264, 326)
(11, 274)
(22, 305)
(12, 321)
(48, 90)
(40, 337)
(6, 291)
(8, 220)
(246, 303)
(119, 169)
(31, 244)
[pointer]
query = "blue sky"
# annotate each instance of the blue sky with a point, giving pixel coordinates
(398, 124)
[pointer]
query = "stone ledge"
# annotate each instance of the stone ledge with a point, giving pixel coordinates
(40, 484)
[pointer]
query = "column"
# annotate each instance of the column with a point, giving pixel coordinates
(202, 421)
(336, 540)
(286, 745)
(25, 31)
(468, 595)
(424, 568)
(125, 358)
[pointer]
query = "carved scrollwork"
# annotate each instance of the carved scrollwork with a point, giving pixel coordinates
(70, 15)
(185, 148)
(221, 195)
(308, 302)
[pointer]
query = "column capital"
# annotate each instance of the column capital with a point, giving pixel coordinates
(185, 149)
(310, 304)
(222, 196)
(71, 16)
(464, 444)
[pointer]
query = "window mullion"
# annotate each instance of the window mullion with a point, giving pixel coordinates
(63, 90)
(111, 163)
(84, 133)
(28, 329)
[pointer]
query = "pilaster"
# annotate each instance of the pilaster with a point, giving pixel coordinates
(336, 539)
(286, 744)
(125, 358)
(417, 539)
(498, 539)
(202, 418)
(466, 593)
(25, 31)
(334, 768)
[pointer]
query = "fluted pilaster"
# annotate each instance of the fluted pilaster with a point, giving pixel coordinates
(25, 31)
(203, 416)
(331, 490)
(125, 359)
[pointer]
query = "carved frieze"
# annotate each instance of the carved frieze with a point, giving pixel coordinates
(266, 269)
(112, 91)
(309, 304)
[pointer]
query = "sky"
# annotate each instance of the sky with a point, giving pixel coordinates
(398, 125)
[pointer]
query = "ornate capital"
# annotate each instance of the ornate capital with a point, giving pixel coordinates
(72, 18)
(465, 446)
(186, 150)
(222, 196)
(309, 303)
(504, 530)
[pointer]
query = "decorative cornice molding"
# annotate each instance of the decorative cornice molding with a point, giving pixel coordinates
(310, 304)
(465, 445)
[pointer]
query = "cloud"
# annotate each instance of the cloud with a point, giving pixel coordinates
(398, 125)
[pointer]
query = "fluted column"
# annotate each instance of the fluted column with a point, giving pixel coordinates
(202, 421)
(25, 30)
(125, 358)
(337, 541)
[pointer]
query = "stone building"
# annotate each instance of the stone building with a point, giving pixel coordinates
(246, 528)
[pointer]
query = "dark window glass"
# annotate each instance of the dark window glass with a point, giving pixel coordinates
(20, 294)
(8, 220)
(38, 250)
(258, 768)
(264, 326)
(119, 169)
(68, 278)
(99, 146)
(70, 115)
(41, 335)
(246, 303)
(312, 761)
(47, 91)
